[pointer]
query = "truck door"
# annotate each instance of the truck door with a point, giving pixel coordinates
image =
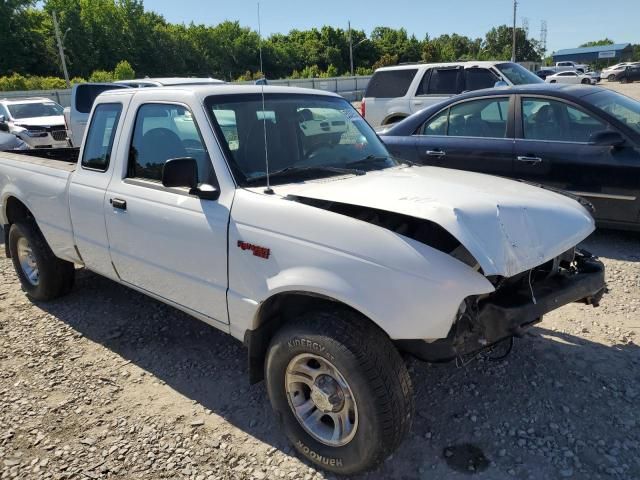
(166, 241)
(89, 183)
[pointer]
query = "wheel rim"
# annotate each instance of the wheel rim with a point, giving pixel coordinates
(28, 262)
(321, 400)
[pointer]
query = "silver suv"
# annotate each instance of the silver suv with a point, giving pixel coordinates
(396, 92)
(37, 121)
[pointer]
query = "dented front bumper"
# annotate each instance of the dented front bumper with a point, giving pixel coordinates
(510, 311)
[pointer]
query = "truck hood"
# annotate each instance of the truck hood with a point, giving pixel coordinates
(52, 121)
(509, 227)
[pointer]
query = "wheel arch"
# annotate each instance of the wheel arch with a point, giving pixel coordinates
(14, 211)
(397, 116)
(277, 310)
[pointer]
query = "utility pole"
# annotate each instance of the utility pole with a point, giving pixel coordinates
(61, 50)
(513, 46)
(350, 48)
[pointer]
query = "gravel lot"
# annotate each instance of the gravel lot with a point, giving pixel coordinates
(107, 383)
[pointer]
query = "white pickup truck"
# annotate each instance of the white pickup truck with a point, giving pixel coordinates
(328, 270)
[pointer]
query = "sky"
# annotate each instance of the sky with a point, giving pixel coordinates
(569, 22)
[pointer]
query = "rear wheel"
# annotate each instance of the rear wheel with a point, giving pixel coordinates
(43, 276)
(340, 390)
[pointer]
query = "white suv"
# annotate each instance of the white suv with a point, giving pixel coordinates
(396, 92)
(37, 121)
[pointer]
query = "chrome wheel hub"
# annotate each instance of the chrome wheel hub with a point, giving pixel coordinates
(321, 399)
(27, 261)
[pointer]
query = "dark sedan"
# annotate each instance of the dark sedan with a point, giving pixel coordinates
(630, 74)
(578, 138)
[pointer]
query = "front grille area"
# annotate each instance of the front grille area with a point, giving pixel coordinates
(59, 135)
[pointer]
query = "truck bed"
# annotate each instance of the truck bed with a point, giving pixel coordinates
(39, 178)
(59, 158)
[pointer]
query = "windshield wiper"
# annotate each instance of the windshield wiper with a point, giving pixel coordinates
(295, 170)
(368, 159)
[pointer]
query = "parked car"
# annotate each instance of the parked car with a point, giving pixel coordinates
(571, 77)
(9, 141)
(610, 72)
(84, 94)
(594, 74)
(570, 66)
(327, 268)
(394, 93)
(630, 74)
(36, 121)
(580, 139)
(545, 72)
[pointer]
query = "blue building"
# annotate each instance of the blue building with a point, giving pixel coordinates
(618, 52)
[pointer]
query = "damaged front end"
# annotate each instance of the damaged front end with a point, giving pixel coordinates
(517, 303)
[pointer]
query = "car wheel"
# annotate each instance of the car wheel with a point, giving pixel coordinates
(42, 275)
(552, 81)
(340, 390)
(586, 81)
(611, 78)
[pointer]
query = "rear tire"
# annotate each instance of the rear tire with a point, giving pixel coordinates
(337, 365)
(43, 275)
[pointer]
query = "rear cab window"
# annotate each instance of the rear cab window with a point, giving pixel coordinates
(390, 83)
(87, 93)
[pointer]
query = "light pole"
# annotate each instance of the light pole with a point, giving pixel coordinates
(352, 46)
(513, 45)
(61, 49)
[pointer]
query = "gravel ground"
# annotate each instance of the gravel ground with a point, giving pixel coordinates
(107, 383)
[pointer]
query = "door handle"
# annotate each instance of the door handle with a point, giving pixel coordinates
(118, 203)
(529, 160)
(436, 153)
(417, 102)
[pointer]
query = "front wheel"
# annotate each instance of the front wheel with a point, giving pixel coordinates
(340, 390)
(43, 275)
(611, 78)
(586, 81)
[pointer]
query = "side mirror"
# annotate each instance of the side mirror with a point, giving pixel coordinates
(606, 138)
(183, 172)
(501, 83)
(4, 126)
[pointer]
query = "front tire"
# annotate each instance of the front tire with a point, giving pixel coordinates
(43, 275)
(340, 390)
(611, 78)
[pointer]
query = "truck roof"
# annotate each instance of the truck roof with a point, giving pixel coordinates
(205, 90)
(171, 81)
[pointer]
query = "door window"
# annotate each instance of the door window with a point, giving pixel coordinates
(544, 119)
(476, 118)
(445, 81)
(102, 131)
(478, 78)
(163, 132)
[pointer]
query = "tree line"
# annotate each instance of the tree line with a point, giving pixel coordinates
(100, 33)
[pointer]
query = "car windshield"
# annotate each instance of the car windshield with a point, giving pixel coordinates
(620, 106)
(517, 74)
(306, 136)
(31, 110)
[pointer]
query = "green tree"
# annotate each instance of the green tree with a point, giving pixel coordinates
(598, 43)
(123, 71)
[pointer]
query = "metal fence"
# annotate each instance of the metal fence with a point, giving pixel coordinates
(351, 88)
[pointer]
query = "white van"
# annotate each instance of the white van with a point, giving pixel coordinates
(396, 92)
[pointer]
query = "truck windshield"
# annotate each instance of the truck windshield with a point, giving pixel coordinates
(517, 74)
(31, 110)
(307, 137)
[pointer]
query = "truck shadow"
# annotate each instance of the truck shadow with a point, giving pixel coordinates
(556, 392)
